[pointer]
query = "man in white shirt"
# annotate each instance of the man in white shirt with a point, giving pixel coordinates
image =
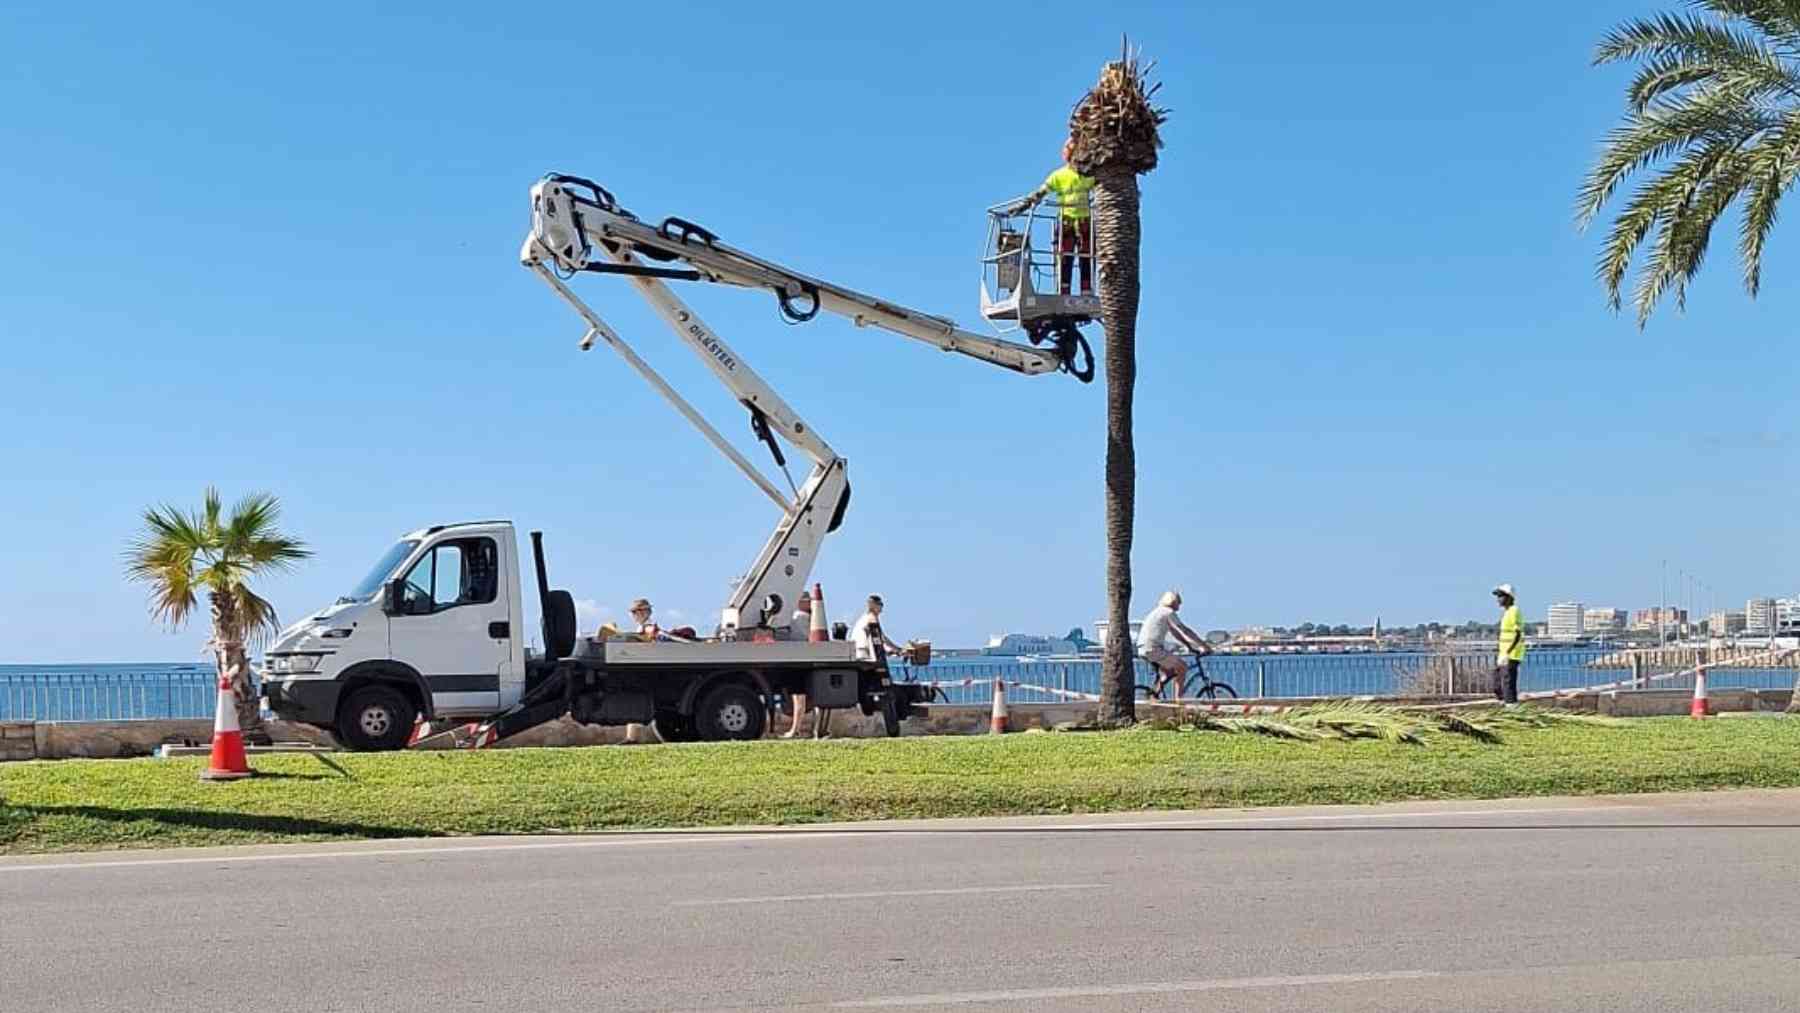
(867, 628)
(1159, 626)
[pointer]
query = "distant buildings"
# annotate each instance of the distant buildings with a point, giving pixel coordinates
(1647, 620)
(1603, 620)
(1567, 621)
(1759, 616)
(1724, 624)
(1787, 615)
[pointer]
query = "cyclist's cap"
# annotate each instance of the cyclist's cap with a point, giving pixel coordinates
(1170, 598)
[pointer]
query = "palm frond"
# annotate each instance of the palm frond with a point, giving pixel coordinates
(1696, 41)
(1469, 725)
(249, 535)
(1272, 727)
(256, 617)
(210, 511)
(1770, 176)
(1356, 719)
(163, 556)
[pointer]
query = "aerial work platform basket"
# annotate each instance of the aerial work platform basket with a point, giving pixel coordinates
(1021, 270)
(1031, 274)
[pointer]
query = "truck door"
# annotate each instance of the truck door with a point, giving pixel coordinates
(452, 625)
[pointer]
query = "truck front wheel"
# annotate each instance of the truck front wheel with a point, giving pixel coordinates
(732, 711)
(376, 719)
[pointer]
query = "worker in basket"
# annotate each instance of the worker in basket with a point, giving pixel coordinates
(1075, 221)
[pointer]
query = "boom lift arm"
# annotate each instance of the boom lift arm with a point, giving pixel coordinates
(577, 226)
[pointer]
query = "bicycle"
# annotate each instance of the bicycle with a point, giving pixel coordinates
(1204, 687)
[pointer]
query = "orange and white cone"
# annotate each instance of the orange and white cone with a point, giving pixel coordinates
(228, 760)
(1701, 707)
(817, 634)
(997, 722)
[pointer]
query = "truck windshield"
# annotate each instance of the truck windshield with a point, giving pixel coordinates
(379, 573)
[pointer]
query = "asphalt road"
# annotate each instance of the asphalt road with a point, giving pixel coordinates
(1641, 903)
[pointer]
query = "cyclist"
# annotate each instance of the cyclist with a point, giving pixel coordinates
(1159, 626)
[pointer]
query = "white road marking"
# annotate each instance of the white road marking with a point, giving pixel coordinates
(1144, 988)
(301, 856)
(947, 892)
(1335, 817)
(678, 837)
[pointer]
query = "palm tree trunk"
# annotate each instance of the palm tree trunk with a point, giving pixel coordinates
(1115, 210)
(228, 651)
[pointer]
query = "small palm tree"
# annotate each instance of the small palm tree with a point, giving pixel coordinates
(1713, 118)
(1114, 130)
(180, 554)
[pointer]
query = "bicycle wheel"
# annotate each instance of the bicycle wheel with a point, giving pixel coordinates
(1216, 690)
(1143, 692)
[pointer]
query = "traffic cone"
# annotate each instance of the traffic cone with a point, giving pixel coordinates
(997, 723)
(228, 761)
(1701, 707)
(817, 634)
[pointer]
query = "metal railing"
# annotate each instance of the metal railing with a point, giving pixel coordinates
(1293, 676)
(68, 694)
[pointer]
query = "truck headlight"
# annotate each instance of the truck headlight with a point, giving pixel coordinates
(289, 664)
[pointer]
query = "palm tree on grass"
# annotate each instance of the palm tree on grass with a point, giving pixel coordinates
(1712, 119)
(1114, 129)
(181, 554)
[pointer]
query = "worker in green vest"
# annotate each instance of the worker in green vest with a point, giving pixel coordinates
(1075, 220)
(1512, 646)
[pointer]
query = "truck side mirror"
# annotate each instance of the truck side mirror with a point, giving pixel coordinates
(393, 596)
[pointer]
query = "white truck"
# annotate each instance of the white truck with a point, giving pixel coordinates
(434, 631)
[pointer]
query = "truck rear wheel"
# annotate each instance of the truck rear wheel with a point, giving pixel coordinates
(376, 719)
(731, 711)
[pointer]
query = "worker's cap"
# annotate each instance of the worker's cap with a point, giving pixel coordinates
(1504, 589)
(1170, 598)
(805, 595)
(642, 604)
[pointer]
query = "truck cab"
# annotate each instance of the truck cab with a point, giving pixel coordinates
(435, 629)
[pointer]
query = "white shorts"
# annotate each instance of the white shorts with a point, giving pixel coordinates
(1157, 655)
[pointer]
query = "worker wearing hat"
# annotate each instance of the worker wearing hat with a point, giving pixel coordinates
(1512, 645)
(640, 613)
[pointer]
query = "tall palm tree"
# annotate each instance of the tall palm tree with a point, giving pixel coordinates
(1712, 118)
(182, 553)
(1114, 129)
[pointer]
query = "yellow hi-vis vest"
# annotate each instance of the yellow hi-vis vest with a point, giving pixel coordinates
(1071, 189)
(1512, 635)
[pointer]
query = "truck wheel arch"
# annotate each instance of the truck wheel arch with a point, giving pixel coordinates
(392, 673)
(699, 687)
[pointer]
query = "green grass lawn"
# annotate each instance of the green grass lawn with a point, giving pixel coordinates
(87, 804)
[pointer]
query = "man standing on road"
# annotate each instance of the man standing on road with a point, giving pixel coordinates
(1161, 624)
(1512, 646)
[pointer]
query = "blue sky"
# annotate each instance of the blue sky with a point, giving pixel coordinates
(275, 248)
